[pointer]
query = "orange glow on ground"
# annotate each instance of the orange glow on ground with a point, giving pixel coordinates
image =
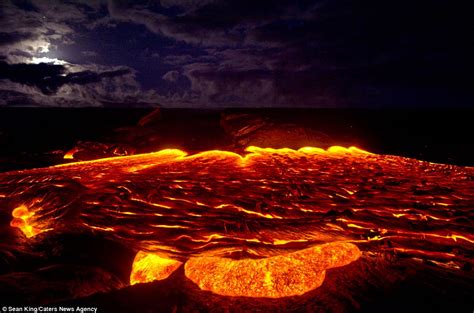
(285, 275)
(148, 267)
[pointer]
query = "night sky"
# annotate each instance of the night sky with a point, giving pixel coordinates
(235, 53)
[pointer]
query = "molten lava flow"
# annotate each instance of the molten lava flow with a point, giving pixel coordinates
(21, 219)
(70, 154)
(262, 205)
(274, 277)
(148, 267)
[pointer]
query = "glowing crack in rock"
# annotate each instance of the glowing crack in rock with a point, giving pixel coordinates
(148, 267)
(274, 277)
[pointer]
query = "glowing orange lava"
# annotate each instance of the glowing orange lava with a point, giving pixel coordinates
(274, 277)
(21, 219)
(261, 206)
(148, 267)
(70, 154)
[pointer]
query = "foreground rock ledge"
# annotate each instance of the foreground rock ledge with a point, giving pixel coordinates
(280, 276)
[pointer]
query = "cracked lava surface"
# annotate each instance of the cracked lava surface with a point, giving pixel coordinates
(267, 223)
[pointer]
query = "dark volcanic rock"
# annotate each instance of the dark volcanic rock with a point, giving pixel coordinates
(255, 130)
(154, 133)
(86, 249)
(55, 283)
(151, 119)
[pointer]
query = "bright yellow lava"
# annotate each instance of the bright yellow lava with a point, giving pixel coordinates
(70, 154)
(252, 151)
(21, 219)
(280, 276)
(148, 267)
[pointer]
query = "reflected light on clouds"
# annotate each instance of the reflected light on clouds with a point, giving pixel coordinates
(55, 61)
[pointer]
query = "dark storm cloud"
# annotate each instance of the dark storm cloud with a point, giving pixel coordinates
(13, 37)
(242, 53)
(48, 78)
(214, 23)
(314, 53)
(42, 76)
